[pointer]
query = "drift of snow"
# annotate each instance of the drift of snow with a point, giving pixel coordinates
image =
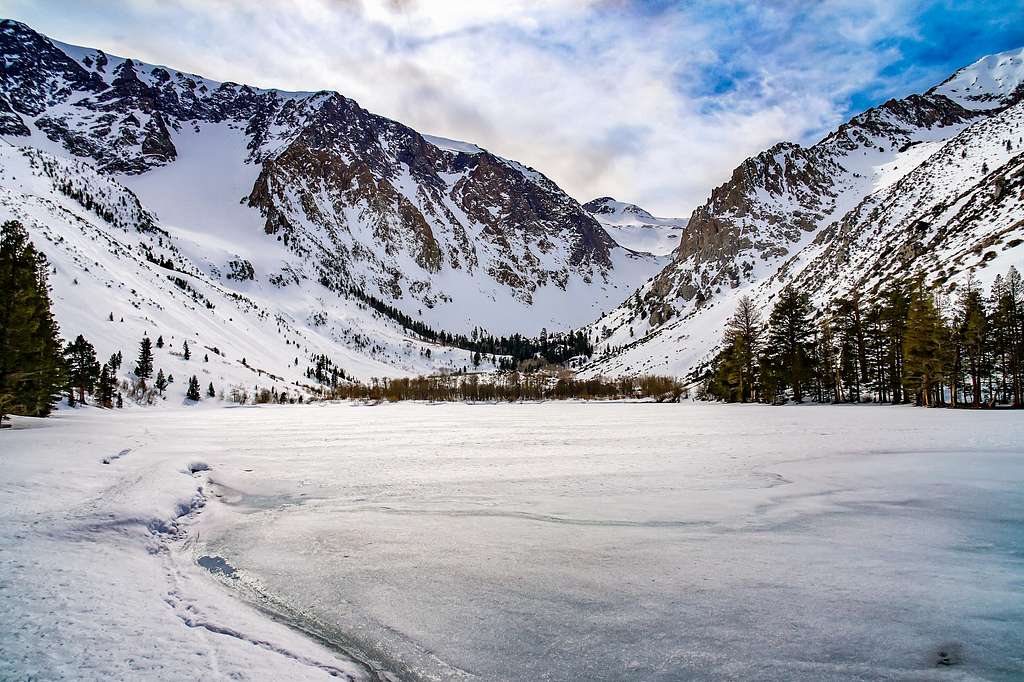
(515, 542)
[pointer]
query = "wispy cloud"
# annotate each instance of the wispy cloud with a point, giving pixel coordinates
(651, 102)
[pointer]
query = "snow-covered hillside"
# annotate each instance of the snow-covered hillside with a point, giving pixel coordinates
(311, 203)
(931, 183)
(635, 228)
(111, 257)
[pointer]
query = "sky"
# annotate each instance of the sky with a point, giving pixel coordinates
(650, 102)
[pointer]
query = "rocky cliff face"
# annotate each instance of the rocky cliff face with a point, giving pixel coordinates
(451, 234)
(924, 183)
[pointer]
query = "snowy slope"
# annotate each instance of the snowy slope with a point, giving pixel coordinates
(96, 235)
(929, 183)
(635, 228)
(311, 189)
(991, 82)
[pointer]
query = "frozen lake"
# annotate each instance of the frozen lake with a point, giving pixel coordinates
(609, 541)
(643, 542)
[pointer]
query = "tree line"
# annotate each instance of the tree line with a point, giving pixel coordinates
(907, 344)
(507, 387)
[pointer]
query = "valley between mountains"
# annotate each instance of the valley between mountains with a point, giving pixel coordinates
(277, 232)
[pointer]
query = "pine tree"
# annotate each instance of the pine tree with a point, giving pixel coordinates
(743, 339)
(186, 351)
(120, 400)
(210, 393)
(973, 336)
(82, 367)
(789, 343)
(193, 389)
(144, 365)
(105, 385)
(925, 346)
(31, 361)
(160, 382)
(160, 342)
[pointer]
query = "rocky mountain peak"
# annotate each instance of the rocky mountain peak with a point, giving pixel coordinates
(995, 81)
(355, 202)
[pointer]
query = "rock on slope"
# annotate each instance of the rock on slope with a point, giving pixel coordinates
(927, 183)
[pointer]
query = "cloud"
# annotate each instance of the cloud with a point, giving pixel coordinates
(650, 102)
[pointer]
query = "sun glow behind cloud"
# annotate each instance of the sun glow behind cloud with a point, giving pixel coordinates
(651, 102)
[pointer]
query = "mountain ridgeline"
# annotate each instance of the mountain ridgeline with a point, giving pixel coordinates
(280, 227)
(296, 240)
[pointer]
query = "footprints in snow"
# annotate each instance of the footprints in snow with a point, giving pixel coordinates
(113, 458)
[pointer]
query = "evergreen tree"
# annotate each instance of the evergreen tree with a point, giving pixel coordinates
(115, 361)
(789, 343)
(82, 367)
(974, 337)
(193, 389)
(186, 351)
(828, 360)
(851, 348)
(120, 400)
(1008, 334)
(895, 308)
(210, 393)
(925, 346)
(743, 339)
(160, 382)
(160, 342)
(144, 365)
(105, 385)
(31, 362)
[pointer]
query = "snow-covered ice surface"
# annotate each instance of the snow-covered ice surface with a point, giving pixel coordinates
(601, 541)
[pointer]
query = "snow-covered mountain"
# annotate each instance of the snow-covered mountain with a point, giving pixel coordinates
(929, 183)
(282, 213)
(634, 227)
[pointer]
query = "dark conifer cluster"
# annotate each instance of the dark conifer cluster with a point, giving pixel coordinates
(553, 348)
(32, 368)
(324, 371)
(897, 347)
